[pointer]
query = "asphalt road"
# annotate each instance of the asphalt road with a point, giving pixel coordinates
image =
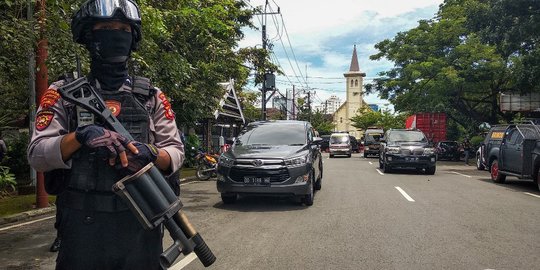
(361, 219)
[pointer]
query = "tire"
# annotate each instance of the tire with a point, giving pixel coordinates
(201, 175)
(431, 170)
(380, 164)
(228, 198)
(365, 155)
(308, 199)
(349, 155)
(538, 178)
(331, 156)
(318, 183)
(479, 165)
(496, 176)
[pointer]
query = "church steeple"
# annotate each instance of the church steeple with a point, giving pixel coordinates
(354, 61)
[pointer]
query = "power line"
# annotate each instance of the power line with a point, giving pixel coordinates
(289, 40)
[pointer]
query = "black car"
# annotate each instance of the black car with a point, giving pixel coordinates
(449, 150)
(354, 144)
(272, 158)
(489, 148)
(325, 144)
(406, 148)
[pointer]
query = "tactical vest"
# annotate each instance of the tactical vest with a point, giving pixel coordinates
(91, 177)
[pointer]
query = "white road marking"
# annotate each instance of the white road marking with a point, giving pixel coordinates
(25, 223)
(534, 195)
(184, 262)
(405, 194)
(379, 172)
(371, 163)
(188, 183)
(461, 174)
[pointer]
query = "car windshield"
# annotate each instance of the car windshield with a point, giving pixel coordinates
(373, 137)
(272, 134)
(339, 139)
(407, 136)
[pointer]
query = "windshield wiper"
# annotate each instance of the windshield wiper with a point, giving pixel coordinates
(296, 144)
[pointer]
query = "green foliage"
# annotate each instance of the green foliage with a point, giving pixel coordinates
(16, 157)
(7, 181)
(476, 140)
(322, 123)
(366, 117)
(191, 149)
(459, 61)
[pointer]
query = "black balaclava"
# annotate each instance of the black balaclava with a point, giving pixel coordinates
(110, 50)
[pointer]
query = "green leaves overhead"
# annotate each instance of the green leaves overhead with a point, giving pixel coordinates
(460, 60)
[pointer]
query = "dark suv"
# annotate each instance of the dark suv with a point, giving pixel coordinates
(489, 148)
(406, 148)
(449, 150)
(272, 158)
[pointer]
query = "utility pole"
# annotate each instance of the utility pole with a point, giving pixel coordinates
(269, 82)
(309, 105)
(326, 107)
(42, 83)
(293, 103)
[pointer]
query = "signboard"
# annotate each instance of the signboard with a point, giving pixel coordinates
(514, 102)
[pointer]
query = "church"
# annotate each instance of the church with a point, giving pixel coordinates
(354, 79)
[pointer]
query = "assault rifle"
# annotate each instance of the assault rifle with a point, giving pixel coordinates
(146, 192)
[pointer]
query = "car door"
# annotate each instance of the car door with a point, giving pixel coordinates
(512, 151)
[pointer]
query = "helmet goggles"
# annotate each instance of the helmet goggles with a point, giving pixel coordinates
(106, 9)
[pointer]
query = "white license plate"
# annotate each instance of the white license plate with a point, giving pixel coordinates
(251, 180)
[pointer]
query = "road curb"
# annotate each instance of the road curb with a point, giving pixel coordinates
(52, 209)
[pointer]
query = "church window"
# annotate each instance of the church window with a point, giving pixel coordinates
(341, 119)
(355, 82)
(352, 82)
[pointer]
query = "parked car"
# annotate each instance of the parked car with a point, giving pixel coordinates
(449, 150)
(272, 158)
(406, 148)
(372, 142)
(340, 144)
(354, 144)
(325, 144)
(489, 148)
(519, 154)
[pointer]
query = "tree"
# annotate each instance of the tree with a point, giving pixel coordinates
(459, 61)
(367, 117)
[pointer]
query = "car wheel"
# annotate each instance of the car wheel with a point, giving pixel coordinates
(496, 175)
(331, 156)
(365, 155)
(308, 199)
(479, 165)
(380, 164)
(318, 183)
(431, 170)
(349, 155)
(228, 198)
(538, 178)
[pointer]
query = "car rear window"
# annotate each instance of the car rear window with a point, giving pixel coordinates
(339, 139)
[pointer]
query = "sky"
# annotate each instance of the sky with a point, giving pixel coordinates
(312, 40)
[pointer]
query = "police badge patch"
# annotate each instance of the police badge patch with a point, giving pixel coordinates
(167, 106)
(114, 106)
(48, 99)
(44, 119)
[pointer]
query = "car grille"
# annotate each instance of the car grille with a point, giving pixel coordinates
(276, 175)
(413, 152)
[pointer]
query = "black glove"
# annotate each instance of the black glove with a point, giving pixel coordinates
(100, 138)
(147, 153)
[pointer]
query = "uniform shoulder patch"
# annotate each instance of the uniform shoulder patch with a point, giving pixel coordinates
(167, 106)
(48, 99)
(44, 119)
(114, 106)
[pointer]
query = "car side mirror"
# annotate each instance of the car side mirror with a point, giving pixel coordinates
(230, 140)
(382, 140)
(317, 140)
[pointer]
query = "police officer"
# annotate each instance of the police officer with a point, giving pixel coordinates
(97, 229)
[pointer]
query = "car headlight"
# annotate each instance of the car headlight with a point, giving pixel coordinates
(429, 151)
(296, 161)
(366, 148)
(225, 161)
(392, 150)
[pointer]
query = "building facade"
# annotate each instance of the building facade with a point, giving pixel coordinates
(354, 79)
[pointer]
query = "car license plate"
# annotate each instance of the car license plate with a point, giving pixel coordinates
(411, 159)
(251, 180)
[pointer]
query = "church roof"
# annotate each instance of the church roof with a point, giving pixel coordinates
(354, 61)
(354, 69)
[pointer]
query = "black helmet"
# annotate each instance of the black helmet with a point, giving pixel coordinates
(93, 11)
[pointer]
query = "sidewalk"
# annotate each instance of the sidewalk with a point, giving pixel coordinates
(49, 210)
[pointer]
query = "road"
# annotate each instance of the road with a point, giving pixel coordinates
(361, 219)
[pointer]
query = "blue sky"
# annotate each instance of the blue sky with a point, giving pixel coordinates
(322, 34)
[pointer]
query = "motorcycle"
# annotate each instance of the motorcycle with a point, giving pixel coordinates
(206, 165)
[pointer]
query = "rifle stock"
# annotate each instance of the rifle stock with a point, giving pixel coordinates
(146, 192)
